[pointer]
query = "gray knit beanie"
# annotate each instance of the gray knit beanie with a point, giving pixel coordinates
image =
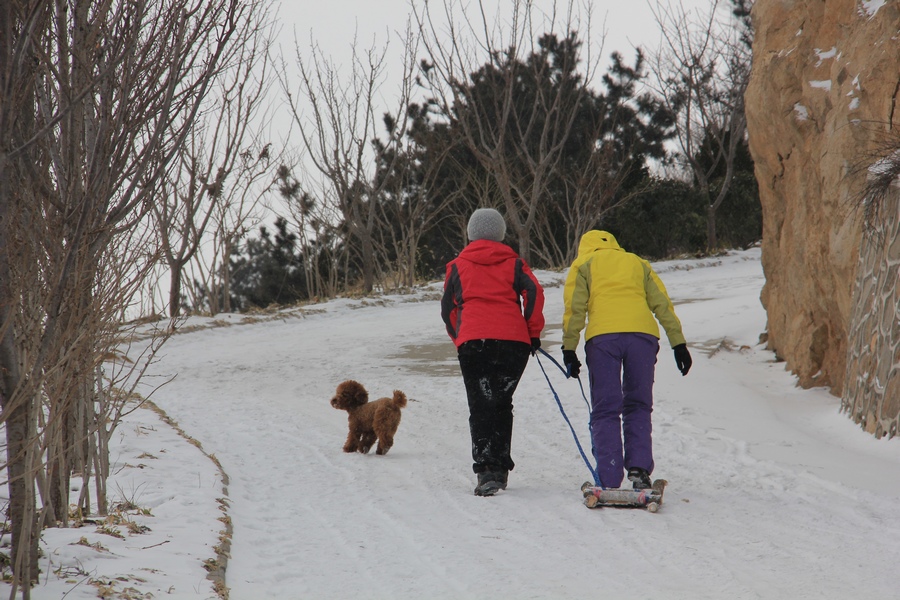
(486, 224)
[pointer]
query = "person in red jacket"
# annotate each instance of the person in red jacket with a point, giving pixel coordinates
(493, 309)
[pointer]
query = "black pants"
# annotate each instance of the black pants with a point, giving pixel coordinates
(491, 370)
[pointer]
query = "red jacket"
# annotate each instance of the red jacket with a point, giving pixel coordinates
(490, 293)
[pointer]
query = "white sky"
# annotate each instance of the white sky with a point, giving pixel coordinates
(332, 24)
(620, 26)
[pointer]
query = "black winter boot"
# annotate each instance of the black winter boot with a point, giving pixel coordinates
(491, 482)
(639, 478)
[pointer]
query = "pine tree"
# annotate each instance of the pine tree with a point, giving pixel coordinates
(268, 270)
(526, 134)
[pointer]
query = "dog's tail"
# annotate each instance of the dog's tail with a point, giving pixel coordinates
(399, 399)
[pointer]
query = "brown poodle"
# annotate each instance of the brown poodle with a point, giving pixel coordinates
(369, 421)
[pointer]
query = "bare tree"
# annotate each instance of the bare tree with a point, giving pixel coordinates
(409, 208)
(477, 77)
(624, 126)
(79, 402)
(318, 231)
(96, 99)
(416, 195)
(702, 69)
(20, 24)
(591, 191)
(336, 116)
(236, 214)
(216, 170)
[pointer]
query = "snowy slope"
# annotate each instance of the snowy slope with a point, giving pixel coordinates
(772, 492)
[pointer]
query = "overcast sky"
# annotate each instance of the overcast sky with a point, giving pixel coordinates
(627, 23)
(332, 24)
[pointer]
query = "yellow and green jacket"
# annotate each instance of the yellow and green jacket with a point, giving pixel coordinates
(617, 292)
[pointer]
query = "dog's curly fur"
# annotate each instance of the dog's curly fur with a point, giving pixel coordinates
(369, 421)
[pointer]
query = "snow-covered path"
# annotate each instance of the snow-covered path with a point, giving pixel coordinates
(772, 493)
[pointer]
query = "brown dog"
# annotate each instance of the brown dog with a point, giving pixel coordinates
(369, 421)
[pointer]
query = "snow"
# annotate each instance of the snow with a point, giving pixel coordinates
(772, 491)
(821, 84)
(872, 6)
(801, 112)
(886, 165)
(824, 55)
(852, 94)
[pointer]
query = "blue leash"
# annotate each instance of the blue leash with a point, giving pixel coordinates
(567, 373)
(563, 412)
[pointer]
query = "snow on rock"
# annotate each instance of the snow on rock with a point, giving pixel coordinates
(824, 55)
(871, 7)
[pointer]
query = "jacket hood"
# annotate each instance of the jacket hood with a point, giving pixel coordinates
(487, 252)
(597, 240)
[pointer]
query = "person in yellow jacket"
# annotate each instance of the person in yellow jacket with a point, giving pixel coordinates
(621, 298)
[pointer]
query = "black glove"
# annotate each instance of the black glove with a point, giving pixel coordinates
(682, 358)
(535, 345)
(570, 359)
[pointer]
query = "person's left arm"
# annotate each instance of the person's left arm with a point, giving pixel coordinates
(661, 305)
(659, 302)
(451, 300)
(528, 287)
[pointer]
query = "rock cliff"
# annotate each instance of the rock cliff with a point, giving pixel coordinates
(822, 100)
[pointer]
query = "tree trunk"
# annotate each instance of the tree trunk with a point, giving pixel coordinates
(175, 276)
(225, 291)
(15, 401)
(368, 262)
(17, 408)
(101, 449)
(712, 238)
(58, 471)
(17, 414)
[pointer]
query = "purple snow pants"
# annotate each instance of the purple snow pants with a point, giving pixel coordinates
(621, 367)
